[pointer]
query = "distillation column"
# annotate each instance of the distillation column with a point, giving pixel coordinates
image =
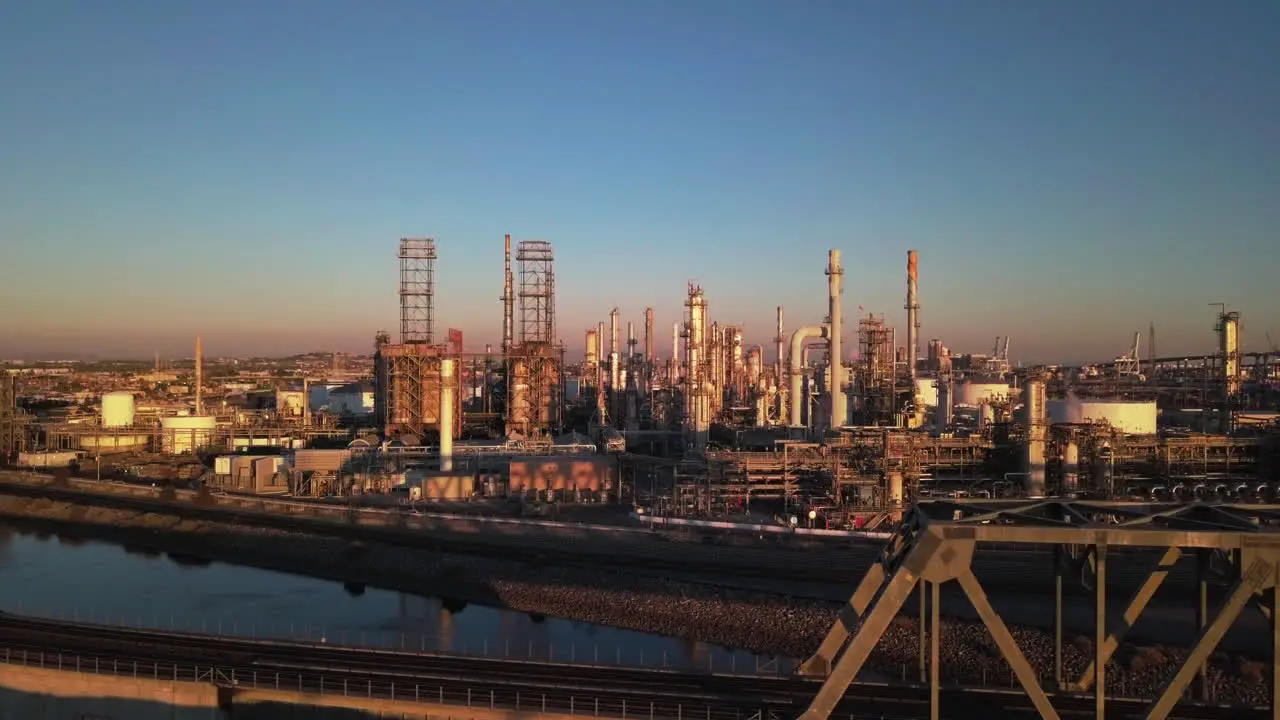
(446, 413)
(648, 349)
(615, 374)
(1033, 408)
(835, 288)
(200, 378)
(600, 391)
(913, 327)
(778, 365)
(1229, 349)
(508, 301)
(697, 407)
(674, 375)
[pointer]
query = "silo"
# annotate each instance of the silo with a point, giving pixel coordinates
(117, 409)
(186, 433)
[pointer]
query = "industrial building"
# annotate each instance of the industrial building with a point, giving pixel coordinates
(844, 434)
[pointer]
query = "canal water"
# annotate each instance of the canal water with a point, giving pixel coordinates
(51, 576)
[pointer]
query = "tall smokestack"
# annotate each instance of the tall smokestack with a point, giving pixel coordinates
(631, 355)
(199, 377)
(600, 356)
(835, 288)
(779, 339)
(615, 374)
(447, 411)
(648, 337)
(508, 299)
(913, 317)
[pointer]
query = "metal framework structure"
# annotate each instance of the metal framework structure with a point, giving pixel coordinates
(876, 375)
(407, 384)
(537, 291)
(417, 290)
(535, 390)
(1237, 546)
(11, 433)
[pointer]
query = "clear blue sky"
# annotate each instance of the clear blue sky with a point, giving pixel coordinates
(1069, 171)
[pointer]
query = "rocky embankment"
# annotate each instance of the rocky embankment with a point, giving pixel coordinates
(769, 624)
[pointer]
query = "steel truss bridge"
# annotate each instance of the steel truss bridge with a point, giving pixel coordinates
(461, 687)
(1236, 547)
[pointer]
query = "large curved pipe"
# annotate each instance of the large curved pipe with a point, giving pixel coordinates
(798, 338)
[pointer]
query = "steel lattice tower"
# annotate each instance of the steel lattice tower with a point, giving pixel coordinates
(417, 290)
(537, 291)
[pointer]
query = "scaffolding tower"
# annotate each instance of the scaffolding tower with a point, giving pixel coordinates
(11, 432)
(417, 290)
(535, 392)
(876, 374)
(537, 291)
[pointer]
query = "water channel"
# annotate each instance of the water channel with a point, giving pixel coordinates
(51, 576)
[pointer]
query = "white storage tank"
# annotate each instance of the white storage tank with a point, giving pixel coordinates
(1136, 417)
(117, 409)
(185, 433)
(974, 393)
(927, 391)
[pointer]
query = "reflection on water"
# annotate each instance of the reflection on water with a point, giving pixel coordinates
(93, 581)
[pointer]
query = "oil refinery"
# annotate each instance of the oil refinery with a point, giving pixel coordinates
(845, 437)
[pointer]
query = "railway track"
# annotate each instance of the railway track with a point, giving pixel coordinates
(500, 683)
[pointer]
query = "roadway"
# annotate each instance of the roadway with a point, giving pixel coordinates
(839, 564)
(541, 687)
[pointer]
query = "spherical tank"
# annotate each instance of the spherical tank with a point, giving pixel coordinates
(117, 409)
(977, 393)
(181, 434)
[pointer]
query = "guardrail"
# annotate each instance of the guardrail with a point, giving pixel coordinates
(389, 516)
(460, 695)
(567, 654)
(759, 528)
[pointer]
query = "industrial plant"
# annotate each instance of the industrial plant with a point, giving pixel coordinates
(841, 436)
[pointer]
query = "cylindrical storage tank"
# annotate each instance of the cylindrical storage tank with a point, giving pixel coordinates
(185, 433)
(976, 393)
(1135, 417)
(895, 488)
(942, 414)
(927, 391)
(117, 409)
